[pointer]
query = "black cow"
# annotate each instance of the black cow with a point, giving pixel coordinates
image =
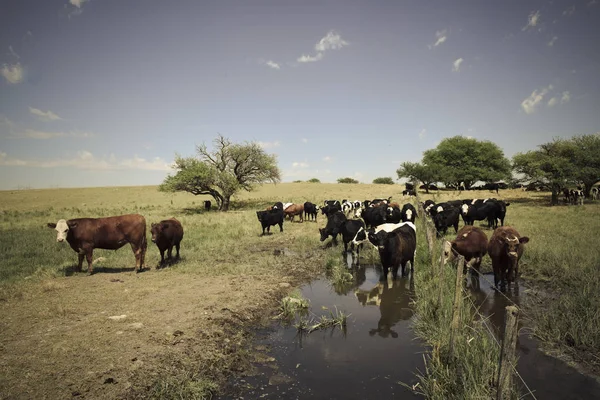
(331, 206)
(372, 216)
(271, 217)
(396, 248)
(409, 192)
(427, 205)
(333, 227)
(409, 213)
(439, 207)
(311, 211)
(409, 186)
(489, 210)
(491, 186)
(446, 218)
(276, 206)
(393, 215)
(207, 205)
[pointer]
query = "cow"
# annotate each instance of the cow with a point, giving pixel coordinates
(577, 196)
(439, 207)
(409, 186)
(276, 206)
(376, 202)
(471, 243)
(396, 249)
(489, 211)
(501, 214)
(270, 218)
(293, 210)
(333, 227)
(311, 210)
(331, 206)
(491, 186)
(455, 203)
(595, 193)
(109, 233)
(362, 235)
(165, 235)
(446, 218)
(207, 205)
(427, 205)
(349, 229)
(372, 216)
(393, 215)
(505, 249)
(409, 192)
(409, 213)
(347, 206)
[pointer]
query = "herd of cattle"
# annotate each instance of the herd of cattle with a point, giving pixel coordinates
(391, 229)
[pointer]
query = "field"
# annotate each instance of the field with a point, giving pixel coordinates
(183, 330)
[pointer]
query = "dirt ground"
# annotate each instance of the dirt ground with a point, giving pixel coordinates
(128, 335)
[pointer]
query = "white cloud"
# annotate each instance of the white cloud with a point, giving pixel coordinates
(569, 11)
(552, 41)
(423, 133)
(530, 103)
(272, 64)
(47, 116)
(440, 37)
(331, 41)
(87, 161)
(327, 159)
(304, 140)
(77, 3)
(269, 145)
(456, 64)
(13, 73)
(75, 7)
(552, 102)
(565, 98)
(43, 135)
(305, 58)
(532, 20)
(13, 53)
(296, 164)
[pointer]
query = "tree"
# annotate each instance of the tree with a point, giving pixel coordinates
(551, 164)
(587, 160)
(221, 173)
(427, 174)
(385, 180)
(468, 160)
(313, 180)
(347, 180)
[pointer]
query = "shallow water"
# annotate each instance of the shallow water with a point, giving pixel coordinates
(369, 360)
(547, 377)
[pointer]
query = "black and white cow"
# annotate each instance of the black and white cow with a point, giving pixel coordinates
(409, 213)
(427, 205)
(445, 219)
(393, 215)
(490, 211)
(333, 227)
(595, 193)
(362, 234)
(372, 216)
(349, 229)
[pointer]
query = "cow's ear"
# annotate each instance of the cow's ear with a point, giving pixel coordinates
(51, 225)
(524, 240)
(72, 224)
(453, 245)
(152, 225)
(507, 204)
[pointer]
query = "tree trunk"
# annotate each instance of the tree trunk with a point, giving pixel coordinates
(587, 188)
(554, 201)
(225, 204)
(426, 190)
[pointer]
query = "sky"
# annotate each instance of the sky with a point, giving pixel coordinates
(106, 92)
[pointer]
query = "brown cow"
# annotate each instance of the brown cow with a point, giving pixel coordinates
(111, 233)
(471, 243)
(293, 210)
(166, 234)
(505, 250)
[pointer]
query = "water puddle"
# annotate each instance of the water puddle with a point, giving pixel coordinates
(368, 359)
(547, 377)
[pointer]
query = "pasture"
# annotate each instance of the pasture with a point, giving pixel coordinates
(182, 330)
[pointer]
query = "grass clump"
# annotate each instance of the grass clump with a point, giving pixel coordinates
(314, 323)
(292, 305)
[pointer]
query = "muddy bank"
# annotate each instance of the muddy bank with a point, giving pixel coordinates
(376, 352)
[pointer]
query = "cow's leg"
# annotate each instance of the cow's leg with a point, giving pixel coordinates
(80, 257)
(170, 252)
(143, 252)
(385, 273)
(395, 271)
(162, 258)
(177, 248)
(88, 255)
(138, 251)
(281, 226)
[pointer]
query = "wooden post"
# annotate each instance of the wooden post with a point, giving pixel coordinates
(458, 296)
(508, 353)
(440, 276)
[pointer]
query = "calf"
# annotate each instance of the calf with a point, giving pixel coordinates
(396, 249)
(207, 205)
(409, 213)
(311, 210)
(333, 227)
(505, 250)
(270, 218)
(471, 243)
(444, 219)
(293, 210)
(110, 233)
(165, 235)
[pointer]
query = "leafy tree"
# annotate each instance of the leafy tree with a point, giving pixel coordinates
(298, 181)
(385, 180)
(462, 159)
(313, 180)
(221, 173)
(419, 172)
(551, 164)
(347, 180)
(587, 160)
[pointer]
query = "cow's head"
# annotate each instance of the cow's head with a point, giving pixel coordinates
(62, 228)
(358, 213)
(378, 239)
(464, 209)
(156, 229)
(512, 246)
(323, 233)
(409, 214)
(449, 251)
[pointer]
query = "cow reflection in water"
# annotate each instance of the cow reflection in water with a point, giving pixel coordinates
(394, 301)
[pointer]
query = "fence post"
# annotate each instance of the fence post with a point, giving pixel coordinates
(440, 276)
(457, 305)
(508, 353)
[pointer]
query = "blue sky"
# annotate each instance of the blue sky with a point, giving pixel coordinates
(99, 93)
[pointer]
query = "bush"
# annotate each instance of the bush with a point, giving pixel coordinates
(298, 181)
(384, 180)
(313, 180)
(347, 180)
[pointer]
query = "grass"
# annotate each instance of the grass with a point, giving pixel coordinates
(314, 323)
(229, 276)
(292, 305)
